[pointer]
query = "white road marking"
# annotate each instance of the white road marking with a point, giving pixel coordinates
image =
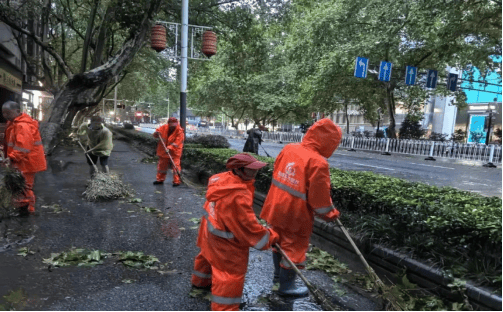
(373, 166)
(432, 166)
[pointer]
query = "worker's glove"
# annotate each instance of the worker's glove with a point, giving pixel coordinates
(332, 215)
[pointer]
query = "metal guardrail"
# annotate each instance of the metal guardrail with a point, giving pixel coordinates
(479, 152)
(463, 151)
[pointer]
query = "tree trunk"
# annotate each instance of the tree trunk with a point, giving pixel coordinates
(81, 89)
(347, 116)
(391, 111)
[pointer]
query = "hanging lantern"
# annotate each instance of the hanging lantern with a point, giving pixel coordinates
(158, 38)
(209, 43)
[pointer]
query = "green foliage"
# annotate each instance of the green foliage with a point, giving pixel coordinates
(411, 129)
(460, 229)
(137, 260)
(76, 256)
(209, 141)
(458, 136)
(322, 260)
(477, 136)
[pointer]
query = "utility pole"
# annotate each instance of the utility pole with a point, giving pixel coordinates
(183, 76)
(115, 98)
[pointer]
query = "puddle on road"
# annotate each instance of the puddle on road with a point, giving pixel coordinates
(170, 229)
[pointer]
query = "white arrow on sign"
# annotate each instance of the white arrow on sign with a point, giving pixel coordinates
(362, 64)
(411, 72)
(432, 75)
(385, 67)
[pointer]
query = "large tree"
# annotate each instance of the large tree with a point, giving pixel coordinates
(326, 36)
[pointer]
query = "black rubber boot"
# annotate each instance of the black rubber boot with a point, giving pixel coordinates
(276, 259)
(158, 182)
(287, 284)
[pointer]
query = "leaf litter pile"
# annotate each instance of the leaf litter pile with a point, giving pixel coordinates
(409, 294)
(13, 184)
(103, 186)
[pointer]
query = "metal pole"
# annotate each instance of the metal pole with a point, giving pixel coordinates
(489, 126)
(103, 108)
(115, 97)
(183, 76)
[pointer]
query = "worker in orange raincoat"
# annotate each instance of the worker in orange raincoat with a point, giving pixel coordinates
(228, 229)
(24, 151)
(172, 135)
(300, 190)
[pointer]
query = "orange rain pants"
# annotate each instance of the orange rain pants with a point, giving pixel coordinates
(162, 169)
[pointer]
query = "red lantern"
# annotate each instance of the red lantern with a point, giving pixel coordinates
(158, 38)
(209, 47)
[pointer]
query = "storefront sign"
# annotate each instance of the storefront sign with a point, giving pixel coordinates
(10, 82)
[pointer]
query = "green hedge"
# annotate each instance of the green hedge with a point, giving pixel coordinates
(460, 231)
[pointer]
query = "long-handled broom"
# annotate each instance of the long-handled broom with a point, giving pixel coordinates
(184, 181)
(103, 186)
(387, 295)
(318, 295)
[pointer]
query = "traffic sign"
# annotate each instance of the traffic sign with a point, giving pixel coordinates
(410, 75)
(452, 83)
(361, 67)
(431, 82)
(385, 71)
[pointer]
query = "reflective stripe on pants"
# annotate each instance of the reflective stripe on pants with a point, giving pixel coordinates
(201, 277)
(226, 290)
(162, 168)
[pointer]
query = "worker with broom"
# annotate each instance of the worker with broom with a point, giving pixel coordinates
(24, 152)
(99, 141)
(300, 189)
(171, 141)
(228, 229)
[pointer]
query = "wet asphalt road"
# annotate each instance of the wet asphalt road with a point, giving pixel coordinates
(122, 226)
(443, 172)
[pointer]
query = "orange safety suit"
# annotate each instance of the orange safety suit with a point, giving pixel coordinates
(174, 143)
(301, 188)
(228, 229)
(25, 150)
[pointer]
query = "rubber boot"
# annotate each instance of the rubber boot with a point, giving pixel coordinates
(287, 284)
(276, 259)
(105, 169)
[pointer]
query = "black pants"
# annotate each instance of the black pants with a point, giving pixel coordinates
(94, 158)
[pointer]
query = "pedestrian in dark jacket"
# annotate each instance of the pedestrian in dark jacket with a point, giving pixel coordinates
(254, 139)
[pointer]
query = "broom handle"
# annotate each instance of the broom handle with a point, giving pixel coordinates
(85, 152)
(367, 266)
(171, 159)
(293, 265)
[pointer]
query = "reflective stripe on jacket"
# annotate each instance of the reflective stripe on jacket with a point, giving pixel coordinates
(301, 180)
(174, 142)
(229, 226)
(24, 144)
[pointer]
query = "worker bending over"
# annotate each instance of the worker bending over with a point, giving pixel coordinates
(228, 229)
(300, 189)
(99, 143)
(24, 151)
(171, 134)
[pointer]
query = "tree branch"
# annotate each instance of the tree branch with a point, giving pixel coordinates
(43, 45)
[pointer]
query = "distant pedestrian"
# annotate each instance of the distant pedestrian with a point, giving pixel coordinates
(24, 151)
(254, 139)
(98, 140)
(300, 190)
(172, 135)
(228, 229)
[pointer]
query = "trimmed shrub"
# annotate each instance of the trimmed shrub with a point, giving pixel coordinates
(209, 141)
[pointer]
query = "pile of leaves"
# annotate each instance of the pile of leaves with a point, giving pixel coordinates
(78, 257)
(137, 260)
(13, 184)
(209, 141)
(103, 186)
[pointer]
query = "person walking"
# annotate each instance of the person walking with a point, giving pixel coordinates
(172, 137)
(300, 190)
(99, 143)
(254, 139)
(228, 229)
(24, 151)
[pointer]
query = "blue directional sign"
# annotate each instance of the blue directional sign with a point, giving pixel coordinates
(385, 71)
(452, 82)
(361, 67)
(410, 75)
(431, 81)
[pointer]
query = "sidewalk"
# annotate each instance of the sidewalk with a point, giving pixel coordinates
(122, 226)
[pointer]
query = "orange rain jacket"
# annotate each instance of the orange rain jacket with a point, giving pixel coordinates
(301, 181)
(174, 142)
(24, 144)
(231, 225)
